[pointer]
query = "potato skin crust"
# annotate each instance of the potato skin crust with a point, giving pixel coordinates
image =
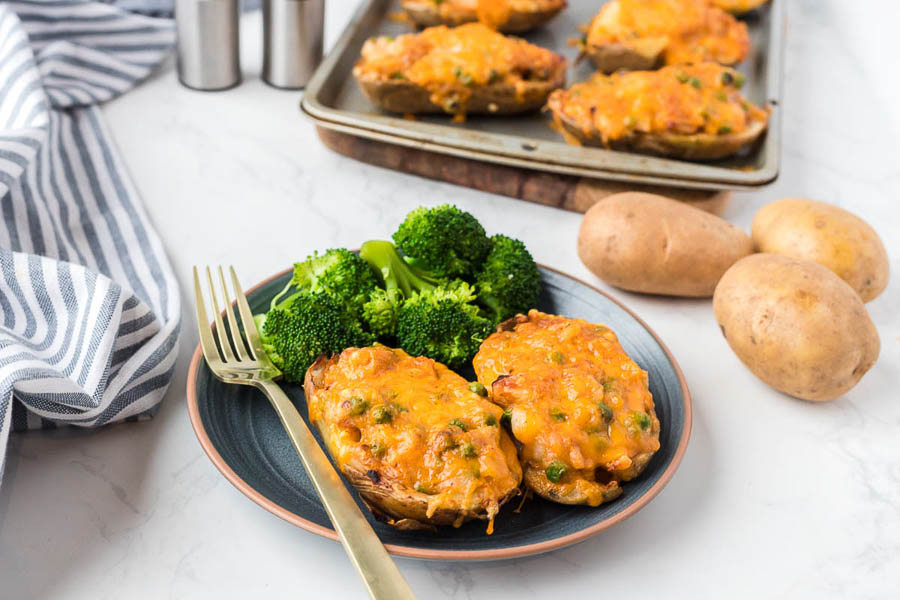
(654, 245)
(378, 482)
(828, 235)
(406, 97)
(796, 325)
(426, 13)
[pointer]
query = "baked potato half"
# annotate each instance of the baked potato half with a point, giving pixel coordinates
(507, 16)
(646, 34)
(739, 7)
(421, 447)
(461, 70)
(693, 112)
(577, 405)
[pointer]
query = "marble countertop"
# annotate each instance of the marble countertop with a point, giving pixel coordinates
(776, 498)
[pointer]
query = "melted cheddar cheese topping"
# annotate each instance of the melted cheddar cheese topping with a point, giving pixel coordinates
(493, 13)
(574, 397)
(681, 99)
(738, 6)
(415, 422)
(450, 61)
(687, 31)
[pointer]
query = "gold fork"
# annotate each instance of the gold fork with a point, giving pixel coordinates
(243, 361)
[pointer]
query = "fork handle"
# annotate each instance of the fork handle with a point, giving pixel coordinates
(382, 578)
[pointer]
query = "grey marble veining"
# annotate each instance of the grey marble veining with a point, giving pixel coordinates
(776, 498)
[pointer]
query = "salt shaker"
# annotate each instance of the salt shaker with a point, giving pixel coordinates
(292, 41)
(208, 50)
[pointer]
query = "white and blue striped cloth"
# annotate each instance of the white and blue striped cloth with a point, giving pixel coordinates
(89, 307)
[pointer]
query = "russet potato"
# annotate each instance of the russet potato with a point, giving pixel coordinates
(652, 244)
(796, 325)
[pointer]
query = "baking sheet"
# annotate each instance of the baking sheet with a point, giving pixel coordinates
(333, 100)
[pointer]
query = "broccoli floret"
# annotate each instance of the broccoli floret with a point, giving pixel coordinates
(308, 324)
(509, 283)
(443, 324)
(444, 240)
(339, 273)
(380, 312)
(396, 273)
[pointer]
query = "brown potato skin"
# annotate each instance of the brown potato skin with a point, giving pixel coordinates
(405, 97)
(828, 235)
(655, 245)
(425, 13)
(699, 146)
(796, 325)
(610, 58)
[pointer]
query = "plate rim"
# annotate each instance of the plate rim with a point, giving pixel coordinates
(449, 555)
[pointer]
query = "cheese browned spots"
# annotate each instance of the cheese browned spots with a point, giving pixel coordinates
(687, 31)
(681, 99)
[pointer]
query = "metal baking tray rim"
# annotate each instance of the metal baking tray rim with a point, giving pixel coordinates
(495, 147)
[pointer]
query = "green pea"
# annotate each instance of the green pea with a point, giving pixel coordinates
(358, 406)
(727, 78)
(398, 75)
(382, 414)
(458, 423)
(469, 450)
(609, 385)
(478, 389)
(682, 77)
(556, 471)
(721, 96)
(739, 81)
(695, 82)
(605, 411)
(724, 129)
(378, 449)
(490, 420)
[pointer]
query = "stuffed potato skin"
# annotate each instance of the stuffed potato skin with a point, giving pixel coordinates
(420, 446)
(693, 112)
(578, 406)
(507, 16)
(467, 69)
(646, 34)
(739, 7)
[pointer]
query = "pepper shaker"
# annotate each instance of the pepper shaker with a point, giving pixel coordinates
(208, 50)
(292, 41)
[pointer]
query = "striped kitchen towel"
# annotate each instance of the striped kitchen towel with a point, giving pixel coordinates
(89, 305)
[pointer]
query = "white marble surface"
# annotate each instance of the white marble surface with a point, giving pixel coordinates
(776, 498)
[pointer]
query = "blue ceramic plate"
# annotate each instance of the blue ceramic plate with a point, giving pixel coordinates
(244, 439)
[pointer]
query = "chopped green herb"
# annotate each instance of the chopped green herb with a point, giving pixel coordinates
(422, 489)
(641, 419)
(557, 414)
(469, 450)
(557, 357)
(478, 389)
(398, 75)
(609, 385)
(605, 411)
(556, 471)
(382, 414)
(507, 416)
(724, 129)
(458, 423)
(463, 77)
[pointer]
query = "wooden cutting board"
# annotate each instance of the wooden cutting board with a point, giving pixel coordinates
(561, 191)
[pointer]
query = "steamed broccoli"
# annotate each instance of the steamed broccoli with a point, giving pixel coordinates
(339, 273)
(308, 324)
(443, 324)
(509, 282)
(381, 310)
(444, 240)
